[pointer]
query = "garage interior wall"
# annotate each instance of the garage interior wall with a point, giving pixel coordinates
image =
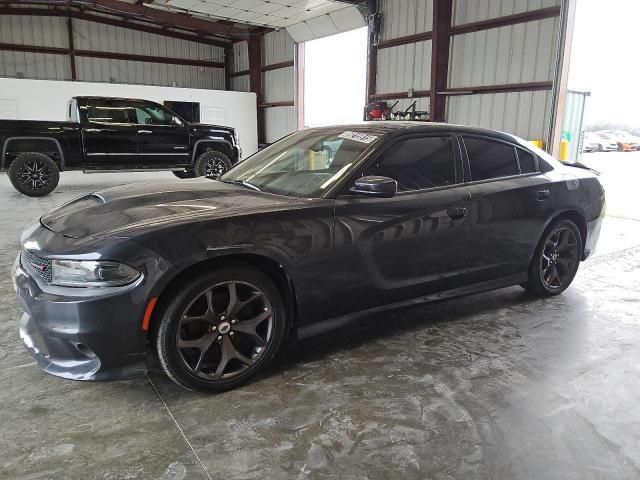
(194, 67)
(502, 61)
(276, 102)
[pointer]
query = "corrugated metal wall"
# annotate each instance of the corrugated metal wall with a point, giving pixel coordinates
(39, 31)
(278, 85)
(52, 32)
(518, 53)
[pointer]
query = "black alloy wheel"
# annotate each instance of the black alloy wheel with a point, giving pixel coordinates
(221, 330)
(34, 174)
(212, 164)
(557, 260)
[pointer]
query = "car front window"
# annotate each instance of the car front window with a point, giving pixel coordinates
(304, 164)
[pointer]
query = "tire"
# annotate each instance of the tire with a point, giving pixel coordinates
(599, 149)
(212, 164)
(193, 340)
(182, 174)
(559, 251)
(34, 174)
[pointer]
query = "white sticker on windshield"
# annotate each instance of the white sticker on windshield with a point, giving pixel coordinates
(358, 137)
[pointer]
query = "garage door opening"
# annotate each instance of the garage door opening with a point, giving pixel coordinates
(335, 78)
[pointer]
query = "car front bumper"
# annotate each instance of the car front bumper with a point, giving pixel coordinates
(90, 337)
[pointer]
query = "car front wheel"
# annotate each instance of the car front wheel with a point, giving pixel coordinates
(556, 260)
(221, 329)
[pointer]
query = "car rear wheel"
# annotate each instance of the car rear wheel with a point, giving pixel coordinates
(221, 330)
(212, 164)
(34, 174)
(556, 261)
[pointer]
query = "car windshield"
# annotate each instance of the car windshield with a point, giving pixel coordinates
(304, 164)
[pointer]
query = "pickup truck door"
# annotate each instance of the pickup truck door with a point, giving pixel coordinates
(163, 138)
(109, 135)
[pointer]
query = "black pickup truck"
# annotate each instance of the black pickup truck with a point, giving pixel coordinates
(112, 134)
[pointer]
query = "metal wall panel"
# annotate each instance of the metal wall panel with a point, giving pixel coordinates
(240, 60)
(404, 67)
(38, 66)
(406, 17)
(518, 53)
(145, 73)
(279, 121)
(30, 30)
(277, 46)
(52, 32)
(573, 122)
(279, 85)
(525, 114)
(467, 11)
(240, 84)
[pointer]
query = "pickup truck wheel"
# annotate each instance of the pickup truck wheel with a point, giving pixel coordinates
(34, 174)
(184, 174)
(212, 164)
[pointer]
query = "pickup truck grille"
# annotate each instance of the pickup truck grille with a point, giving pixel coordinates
(36, 265)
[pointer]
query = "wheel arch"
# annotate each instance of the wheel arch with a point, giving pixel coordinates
(25, 146)
(570, 214)
(220, 144)
(262, 263)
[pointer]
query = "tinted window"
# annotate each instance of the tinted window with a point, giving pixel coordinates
(418, 163)
(152, 115)
(109, 112)
(527, 162)
(489, 159)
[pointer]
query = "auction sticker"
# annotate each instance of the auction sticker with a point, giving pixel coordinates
(358, 137)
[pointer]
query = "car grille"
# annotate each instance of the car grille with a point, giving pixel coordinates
(37, 265)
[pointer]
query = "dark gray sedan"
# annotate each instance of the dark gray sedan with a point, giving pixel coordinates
(211, 276)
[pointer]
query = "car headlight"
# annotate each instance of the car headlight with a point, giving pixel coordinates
(86, 273)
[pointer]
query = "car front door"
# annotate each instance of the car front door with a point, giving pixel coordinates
(510, 201)
(109, 134)
(410, 245)
(163, 137)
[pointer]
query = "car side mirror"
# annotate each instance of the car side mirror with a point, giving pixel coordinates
(375, 186)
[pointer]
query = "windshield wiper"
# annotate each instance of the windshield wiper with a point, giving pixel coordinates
(244, 183)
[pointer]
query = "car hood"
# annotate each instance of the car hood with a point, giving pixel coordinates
(121, 210)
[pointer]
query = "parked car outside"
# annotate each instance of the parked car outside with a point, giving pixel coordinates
(112, 134)
(603, 142)
(212, 276)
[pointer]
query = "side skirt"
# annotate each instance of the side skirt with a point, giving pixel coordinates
(336, 322)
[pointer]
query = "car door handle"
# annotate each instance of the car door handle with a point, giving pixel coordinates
(456, 212)
(145, 131)
(542, 195)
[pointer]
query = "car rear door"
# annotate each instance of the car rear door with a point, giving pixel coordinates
(163, 137)
(510, 202)
(109, 135)
(413, 244)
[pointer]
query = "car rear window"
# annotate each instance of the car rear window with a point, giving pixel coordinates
(490, 159)
(527, 161)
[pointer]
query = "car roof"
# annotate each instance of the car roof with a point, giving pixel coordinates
(395, 126)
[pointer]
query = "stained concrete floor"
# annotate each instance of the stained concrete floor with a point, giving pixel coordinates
(492, 386)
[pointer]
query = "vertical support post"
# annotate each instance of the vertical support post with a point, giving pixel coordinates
(299, 94)
(72, 50)
(255, 80)
(372, 49)
(442, 13)
(561, 76)
(228, 65)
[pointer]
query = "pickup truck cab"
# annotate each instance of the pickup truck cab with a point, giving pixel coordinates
(112, 134)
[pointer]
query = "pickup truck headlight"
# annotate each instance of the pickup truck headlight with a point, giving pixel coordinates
(84, 273)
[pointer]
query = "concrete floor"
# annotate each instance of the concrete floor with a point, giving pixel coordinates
(492, 386)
